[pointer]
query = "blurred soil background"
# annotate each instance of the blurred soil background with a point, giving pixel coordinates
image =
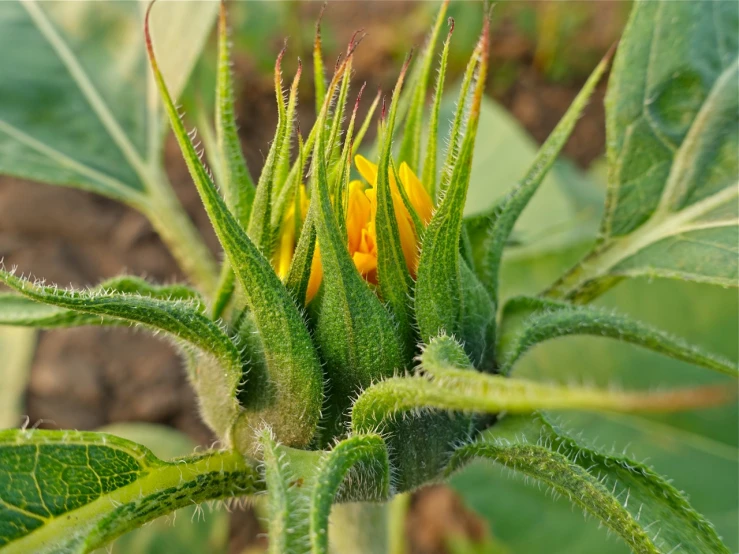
(84, 378)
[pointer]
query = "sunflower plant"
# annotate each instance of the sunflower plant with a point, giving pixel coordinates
(353, 346)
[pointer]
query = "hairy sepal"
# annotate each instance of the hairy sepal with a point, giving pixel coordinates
(410, 146)
(643, 508)
(444, 301)
(354, 331)
(392, 271)
(360, 461)
(293, 365)
(528, 321)
(504, 215)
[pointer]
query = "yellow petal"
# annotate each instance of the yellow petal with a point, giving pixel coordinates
(316, 276)
(366, 169)
(416, 192)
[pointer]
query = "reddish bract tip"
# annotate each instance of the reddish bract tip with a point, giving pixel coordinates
(450, 22)
(384, 109)
(359, 97)
(318, 22)
(147, 36)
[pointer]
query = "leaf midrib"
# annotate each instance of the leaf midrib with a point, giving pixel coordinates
(88, 90)
(156, 479)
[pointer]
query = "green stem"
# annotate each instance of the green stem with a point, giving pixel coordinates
(171, 222)
(359, 528)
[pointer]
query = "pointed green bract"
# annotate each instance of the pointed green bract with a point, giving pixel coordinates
(22, 311)
(294, 369)
(177, 317)
(283, 157)
(440, 290)
(643, 508)
(237, 185)
(392, 271)
(510, 209)
(428, 177)
(449, 384)
(319, 73)
(287, 504)
(530, 321)
(365, 454)
(410, 147)
(457, 123)
(356, 334)
(69, 491)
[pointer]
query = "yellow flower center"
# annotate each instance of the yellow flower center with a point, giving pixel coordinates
(360, 224)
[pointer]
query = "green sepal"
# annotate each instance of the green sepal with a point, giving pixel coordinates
(70, 491)
(282, 168)
(287, 498)
(643, 508)
(410, 147)
(360, 461)
(449, 383)
(237, 186)
(300, 266)
(179, 318)
(439, 293)
(452, 152)
(294, 368)
(428, 177)
(395, 282)
(319, 73)
(22, 311)
(354, 331)
(506, 213)
(260, 222)
(528, 321)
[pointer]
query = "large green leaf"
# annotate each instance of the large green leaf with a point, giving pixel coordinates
(78, 105)
(673, 151)
(17, 347)
(68, 491)
(75, 101)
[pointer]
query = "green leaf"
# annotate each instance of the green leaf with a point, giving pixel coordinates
(18, 347)
(529, 321)
(188, 529)
(365, 454)
(410, 147)
(69, 491)
(77, 108)
(630, 499)
(671, 114)
(450, 384)
(295, 376)
(518, 198)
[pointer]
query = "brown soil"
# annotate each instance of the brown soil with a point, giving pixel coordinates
(85, 378)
